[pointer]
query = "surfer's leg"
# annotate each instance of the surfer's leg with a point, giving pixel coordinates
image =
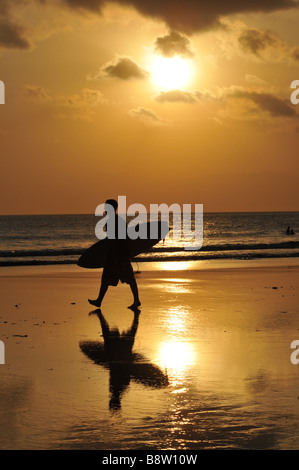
(134, 289)
(98, 301)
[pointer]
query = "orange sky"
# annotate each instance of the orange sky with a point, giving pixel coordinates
(86, 118)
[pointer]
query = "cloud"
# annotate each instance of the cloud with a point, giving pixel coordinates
(92, 5)
(180, 96)
(36, 93)
(267, 102)
(253, 80)
(172, 44)
(92, 98)
(12, 35)
(294, 53)
(255, 41)
(239, 41)
(123, 68)
(147, 116)
(76, 106)
(239, 100)
(174, 96)
(188, 17)
(273, 105)
(191, 15)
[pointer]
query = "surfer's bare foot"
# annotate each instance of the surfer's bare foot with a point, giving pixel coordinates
(135, 305)
(96, 303)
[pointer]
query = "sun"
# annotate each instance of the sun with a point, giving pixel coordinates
(171, 73)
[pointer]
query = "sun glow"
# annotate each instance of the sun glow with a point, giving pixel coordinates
(177, 355)
(171, 73)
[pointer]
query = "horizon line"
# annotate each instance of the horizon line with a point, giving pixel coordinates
(208, 212)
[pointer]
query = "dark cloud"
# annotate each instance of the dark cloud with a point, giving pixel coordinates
(189, 15)
(255, 41)
(295, 53)
(124, 68)
(186, 16)
(11, 34)
(92, 5)
(172, 44)
(275, 106)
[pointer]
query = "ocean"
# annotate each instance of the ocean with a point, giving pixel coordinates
(61, 239)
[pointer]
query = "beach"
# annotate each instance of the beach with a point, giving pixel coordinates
(210, 365)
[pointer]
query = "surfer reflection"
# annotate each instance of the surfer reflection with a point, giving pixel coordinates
(117, 267)
(116, 355)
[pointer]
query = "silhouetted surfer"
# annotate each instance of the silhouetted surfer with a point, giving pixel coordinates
(117, 266)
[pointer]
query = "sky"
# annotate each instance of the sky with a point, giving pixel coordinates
(160, 101)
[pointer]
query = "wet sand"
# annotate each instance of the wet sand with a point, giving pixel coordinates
(209, 368)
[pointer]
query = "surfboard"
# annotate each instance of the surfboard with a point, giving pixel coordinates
(95, 256)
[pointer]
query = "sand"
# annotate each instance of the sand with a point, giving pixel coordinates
(210, 366)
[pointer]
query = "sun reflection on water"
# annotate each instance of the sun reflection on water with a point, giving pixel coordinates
(176, 286)
(175, 265)
(176, 356)
(176, 319)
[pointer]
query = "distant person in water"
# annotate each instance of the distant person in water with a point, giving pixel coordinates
(117, 266)
(288, 231)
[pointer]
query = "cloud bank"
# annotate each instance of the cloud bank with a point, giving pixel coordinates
(252, 99)
(191, 15)
(188, 17)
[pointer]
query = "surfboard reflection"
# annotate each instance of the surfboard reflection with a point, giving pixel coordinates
(124, 365)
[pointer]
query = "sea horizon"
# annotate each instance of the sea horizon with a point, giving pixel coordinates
(62, 238)
(208, 212)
